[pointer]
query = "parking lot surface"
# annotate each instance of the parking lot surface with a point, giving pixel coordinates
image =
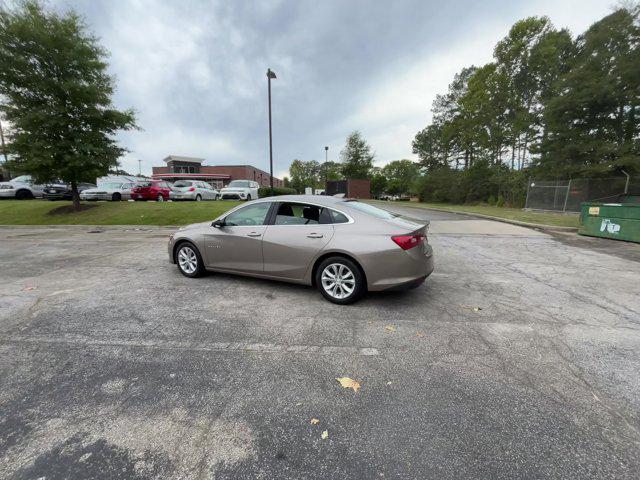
(518, 358)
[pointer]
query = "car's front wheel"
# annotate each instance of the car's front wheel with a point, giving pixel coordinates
(160, 198)
(189, 260)
(116, 197)
(340, 280)
(248, 197)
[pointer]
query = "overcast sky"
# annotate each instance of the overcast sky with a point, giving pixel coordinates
(195, 71)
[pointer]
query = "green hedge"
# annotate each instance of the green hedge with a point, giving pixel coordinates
(266, 191)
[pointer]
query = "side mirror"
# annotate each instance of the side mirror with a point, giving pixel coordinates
(218, 224)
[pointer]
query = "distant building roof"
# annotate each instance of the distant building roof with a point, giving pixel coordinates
(177, 158)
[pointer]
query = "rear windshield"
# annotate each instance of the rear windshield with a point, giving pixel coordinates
(143, 184)
(182, 183)
(111, 185)
(368, 209)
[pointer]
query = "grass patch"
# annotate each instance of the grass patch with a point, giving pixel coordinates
(38, 212)
(541, 218)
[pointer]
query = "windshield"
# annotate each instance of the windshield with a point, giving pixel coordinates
(143, 184)
(114, 186)
(239, 184)
(369, 209)
(182, 183)
(23, 179)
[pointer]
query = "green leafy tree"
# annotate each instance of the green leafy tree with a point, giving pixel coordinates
(593, 121)
(378, 182)
(400, 175)
(56, 93)
(357, 159)
(305, 174)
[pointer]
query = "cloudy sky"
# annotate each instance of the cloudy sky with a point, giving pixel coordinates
(195, 70)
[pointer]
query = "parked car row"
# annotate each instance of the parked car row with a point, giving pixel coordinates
(23, 188)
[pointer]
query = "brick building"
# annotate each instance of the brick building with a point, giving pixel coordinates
(185, 168)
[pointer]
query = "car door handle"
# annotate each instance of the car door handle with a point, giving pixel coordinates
(254, 234)
(315, 235)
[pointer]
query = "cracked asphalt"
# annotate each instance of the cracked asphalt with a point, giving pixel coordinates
(518, 358)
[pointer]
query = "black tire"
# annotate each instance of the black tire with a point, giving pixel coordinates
(116, 197)
(24, 195)
(199, 270)
(217, 198)
(359, 286)
(198, 198)
(160, 198)
(248, 197)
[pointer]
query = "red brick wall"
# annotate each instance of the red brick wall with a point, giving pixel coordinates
(242, 172)
(156, 170)
(359, 188)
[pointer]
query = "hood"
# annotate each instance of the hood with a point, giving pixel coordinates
(195, 225)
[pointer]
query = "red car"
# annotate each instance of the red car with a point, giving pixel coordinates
(153, 190)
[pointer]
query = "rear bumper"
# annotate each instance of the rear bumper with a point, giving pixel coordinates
(397, 269)
(182, 196)
(7, 193)
(93, 196)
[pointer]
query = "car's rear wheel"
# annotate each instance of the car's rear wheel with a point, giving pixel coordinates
(340, 280)
(116, 197)
(248, 197)
(189, 260)
(198, 198)
(217, 197)
(160, 198)
(24, 194)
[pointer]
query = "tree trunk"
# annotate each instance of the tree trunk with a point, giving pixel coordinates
(75, 195)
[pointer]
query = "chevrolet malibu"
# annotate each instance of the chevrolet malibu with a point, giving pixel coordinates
(343, 247)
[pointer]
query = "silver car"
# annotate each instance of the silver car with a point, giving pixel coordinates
(114, 191)
(342, 246)
(193, 190)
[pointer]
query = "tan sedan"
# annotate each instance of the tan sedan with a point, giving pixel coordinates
(343, 247)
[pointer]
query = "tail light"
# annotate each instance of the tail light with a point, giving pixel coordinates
(406, 242)
(192, 189)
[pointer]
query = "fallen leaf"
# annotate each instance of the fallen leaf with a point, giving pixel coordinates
(388, 383)
(299, 404)
(468, 307)
(419, 334)
(315, 421)
(324, 435)
(28, 289)
(391, 328)
(347, 382)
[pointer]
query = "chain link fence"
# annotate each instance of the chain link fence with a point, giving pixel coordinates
(567, 195)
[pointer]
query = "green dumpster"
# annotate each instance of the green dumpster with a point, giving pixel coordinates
(620, 221)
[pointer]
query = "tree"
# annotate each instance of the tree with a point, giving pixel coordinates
(56, 93)
(400, 176)
(378, 182)
(357, 159)
(593, 121)
(305, 174)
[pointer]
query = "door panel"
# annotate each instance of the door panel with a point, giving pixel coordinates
(235, 248)
(289, 249)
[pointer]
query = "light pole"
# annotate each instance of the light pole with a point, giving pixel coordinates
(139, 167)
(326, 158)
(270, 75)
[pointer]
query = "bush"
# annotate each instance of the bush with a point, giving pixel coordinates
(266, 191)
(491, 200)
(500, 201)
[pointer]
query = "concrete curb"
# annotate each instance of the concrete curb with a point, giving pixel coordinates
(539, 226)
(93, 227)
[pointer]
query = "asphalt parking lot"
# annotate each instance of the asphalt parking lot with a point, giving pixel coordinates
(518, 358)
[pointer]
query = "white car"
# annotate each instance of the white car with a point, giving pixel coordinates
(240, 190)
(114, 191)
(21, 188)
(193, 190)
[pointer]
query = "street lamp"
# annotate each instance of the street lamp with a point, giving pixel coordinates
(326, 158)
(270, 75)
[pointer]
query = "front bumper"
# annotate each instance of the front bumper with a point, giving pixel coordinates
(58, 196)
(233, 196)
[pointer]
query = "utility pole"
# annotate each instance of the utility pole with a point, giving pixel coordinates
(139, 167)
(326, 158)
(270, 75)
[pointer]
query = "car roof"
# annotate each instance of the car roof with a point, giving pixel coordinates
(317, 199)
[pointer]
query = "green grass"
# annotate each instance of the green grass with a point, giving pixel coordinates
(541, 218)
(34, 212)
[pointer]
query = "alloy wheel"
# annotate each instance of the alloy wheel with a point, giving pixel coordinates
(338, 281)
(187, 260)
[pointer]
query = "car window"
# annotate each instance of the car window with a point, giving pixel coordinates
(338, 217)
(250, 215)
(368, 209)
(23, 179)
(301, 214)
(182, 183)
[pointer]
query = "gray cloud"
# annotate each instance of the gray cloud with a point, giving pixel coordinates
(195, 70)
